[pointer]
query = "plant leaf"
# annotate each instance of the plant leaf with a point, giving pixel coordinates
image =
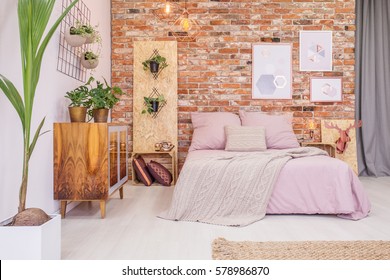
(13, 96)
(36, 136)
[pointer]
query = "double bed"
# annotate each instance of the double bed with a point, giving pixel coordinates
(214, 184)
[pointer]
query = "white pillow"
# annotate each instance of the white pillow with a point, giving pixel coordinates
(245, 138)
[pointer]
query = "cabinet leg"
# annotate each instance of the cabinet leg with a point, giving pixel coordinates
(63, 208)
(103, 208)
(121, 192)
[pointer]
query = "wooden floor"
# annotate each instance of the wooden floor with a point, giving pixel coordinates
(132, 231)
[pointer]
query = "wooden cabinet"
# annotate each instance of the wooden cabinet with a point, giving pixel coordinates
(90, 162)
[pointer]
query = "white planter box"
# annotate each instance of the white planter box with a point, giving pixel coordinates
(31, 243)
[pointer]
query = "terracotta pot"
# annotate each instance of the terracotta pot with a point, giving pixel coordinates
(77, 114)
(74, 40)
(100, 115)
(89, 64)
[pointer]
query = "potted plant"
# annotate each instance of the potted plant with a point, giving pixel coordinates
(17, 240)
(75, 35)
(89, 60)
(154, 64)
(152, 103)
(91, 34)
(102, 98)
(80, 102)
(80, 34)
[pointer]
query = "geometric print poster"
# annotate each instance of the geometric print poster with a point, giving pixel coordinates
(315, 50)
(271, 71)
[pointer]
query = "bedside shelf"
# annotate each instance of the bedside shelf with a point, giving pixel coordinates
(330, 148)
(170, 154)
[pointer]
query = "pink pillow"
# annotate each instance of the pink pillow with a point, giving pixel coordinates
(278, 128)
(209, 129)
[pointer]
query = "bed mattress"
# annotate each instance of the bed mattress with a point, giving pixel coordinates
(313, 185)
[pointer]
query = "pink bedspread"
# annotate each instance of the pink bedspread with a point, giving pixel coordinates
(314, 185)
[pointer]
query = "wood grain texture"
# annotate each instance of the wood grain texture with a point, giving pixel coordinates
(80, 161)
(329, 135)
(147, 130)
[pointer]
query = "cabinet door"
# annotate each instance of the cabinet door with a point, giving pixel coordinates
(118, 174)
(123, 154)
(113, 152)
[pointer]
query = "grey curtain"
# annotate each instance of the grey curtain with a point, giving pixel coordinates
(372, 89)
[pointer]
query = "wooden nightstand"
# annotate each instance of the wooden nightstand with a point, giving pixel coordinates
(328, 147)
(169, 160)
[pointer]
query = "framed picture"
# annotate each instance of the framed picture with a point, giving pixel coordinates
(271, 71)
(315, 50)
(327, 89)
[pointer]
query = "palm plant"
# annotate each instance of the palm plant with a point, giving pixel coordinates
(33, 16)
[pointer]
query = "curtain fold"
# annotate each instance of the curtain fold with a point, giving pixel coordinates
(372, 87)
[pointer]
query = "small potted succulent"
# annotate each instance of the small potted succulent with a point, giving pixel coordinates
(102, 98)
(152, 103)
(80, 102)
(89, 60)
(155, 64)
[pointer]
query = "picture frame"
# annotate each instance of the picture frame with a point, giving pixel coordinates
(326, 89)
(315, 51)
(272, 71)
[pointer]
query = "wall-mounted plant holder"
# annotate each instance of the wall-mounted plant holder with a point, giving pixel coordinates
(89, 60)
(155, 64)
(74, 40)
(69, 61)
(153, 106)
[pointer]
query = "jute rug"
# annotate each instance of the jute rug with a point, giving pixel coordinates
(301, 250)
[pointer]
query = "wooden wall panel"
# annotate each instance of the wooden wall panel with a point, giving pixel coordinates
(147, 130)
(331, 135)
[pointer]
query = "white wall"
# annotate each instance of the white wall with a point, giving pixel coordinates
(49, 102)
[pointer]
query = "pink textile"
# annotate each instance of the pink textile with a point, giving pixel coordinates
(278, 128)
(314, 185)
(209, 129)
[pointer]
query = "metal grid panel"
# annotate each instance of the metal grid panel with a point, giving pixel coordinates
(68, 56)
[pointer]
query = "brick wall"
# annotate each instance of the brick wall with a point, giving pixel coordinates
(215, 69)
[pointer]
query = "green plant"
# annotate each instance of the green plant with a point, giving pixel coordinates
(85, 30)
(33, 16)
(89, 55)
(103, 96)
(79, 97)
(162, 61)
(149, 103)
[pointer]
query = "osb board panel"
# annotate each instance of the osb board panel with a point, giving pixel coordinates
(330, 135)
(147, 130)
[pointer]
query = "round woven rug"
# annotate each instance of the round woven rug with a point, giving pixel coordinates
(301, 250)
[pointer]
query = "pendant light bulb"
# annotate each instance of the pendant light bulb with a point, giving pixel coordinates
(185, 24)
(167, 8)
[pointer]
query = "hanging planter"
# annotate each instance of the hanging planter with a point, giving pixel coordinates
(89, 60)
(91, 34)
(152, 104)
(155, 63)
(154, 66)
(73, 38)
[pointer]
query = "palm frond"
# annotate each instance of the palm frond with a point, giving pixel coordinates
(13, 96)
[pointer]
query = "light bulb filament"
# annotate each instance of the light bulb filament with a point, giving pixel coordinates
(167, 8)
(185, 24)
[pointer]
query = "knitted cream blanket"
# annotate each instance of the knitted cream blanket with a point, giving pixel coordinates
(231, 190)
